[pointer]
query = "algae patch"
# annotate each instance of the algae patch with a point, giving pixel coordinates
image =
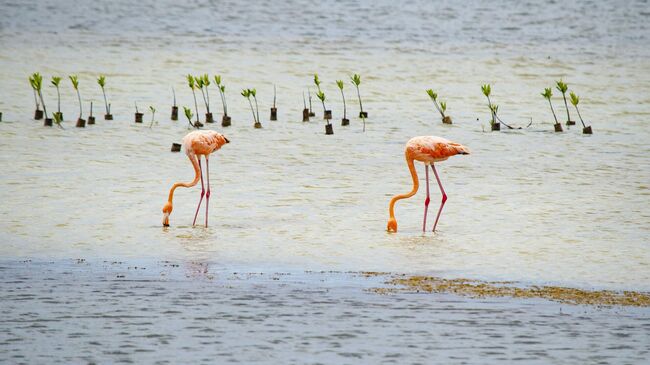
(476, 288)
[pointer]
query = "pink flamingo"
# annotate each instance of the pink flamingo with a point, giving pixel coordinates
(196, 144)
(428, 149)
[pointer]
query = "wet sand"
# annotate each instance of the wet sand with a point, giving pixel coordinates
(75, 311)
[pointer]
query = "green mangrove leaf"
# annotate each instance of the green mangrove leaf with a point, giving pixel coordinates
(574, 98)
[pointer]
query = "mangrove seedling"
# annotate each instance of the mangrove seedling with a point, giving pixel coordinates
(91, 119)
(138, 115)
(189, 115)
(562, 87)
(575, 100)
(487, 90)
(153, 113)
(75, 83)
(345, 120)
(38, 113)
(57, 119)
(547, 94)
(356, 80)
(225, 120)
(101, 80)
(202, 81)
(327, 114)
(174, 107)
(56, 80)
(274, 110)
(305, 111)
(257, 109)
(191, 83)
(247, 94)
(329, 129)
(434, 97)
(36, 80)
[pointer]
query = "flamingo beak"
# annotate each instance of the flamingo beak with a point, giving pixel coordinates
(165, 220)
(227, 140)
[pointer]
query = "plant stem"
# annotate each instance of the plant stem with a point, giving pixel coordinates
(196, 106)
(80, 107)
(40, 95)
(58, 97)
(552, 110)
(359, 96)
(439, 110)
(344, 108)
(580, 116)
(252, 110)
(207, 107)
(491, 111)
(309, 93)
(273, 96)
(174, 93)
(567, 107)
(257, 109)
(108, 111)
(207, 94)
(36, 99)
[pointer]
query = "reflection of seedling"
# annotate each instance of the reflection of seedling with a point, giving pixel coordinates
(562, 87)
(575, 100)
(547, 94)
(57, 119)
(191, 83)
(56, 80)
(153, 113)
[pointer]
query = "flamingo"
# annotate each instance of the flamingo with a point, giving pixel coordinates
(197, 144)
(427, 149)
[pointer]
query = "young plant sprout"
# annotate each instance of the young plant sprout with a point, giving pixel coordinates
(202, 81)
(38, 113)
(189, 115)
(487, 90)
(247, 94)
(356, 80)
(274, 110)
(174, 107)
(101, 80)
(192, 85)
(75, 83)
(56, 80)
(225, 120)
(257, 109)
(547, 95)
(562, 87)
(36, 80)
(345, 120)
(327, 114)
(575, 100)
(153, 113)
(441, 108)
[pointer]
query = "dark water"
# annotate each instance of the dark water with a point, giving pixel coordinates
(166, 312)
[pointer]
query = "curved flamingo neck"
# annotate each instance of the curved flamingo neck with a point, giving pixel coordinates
(197, 176)
(416, 185)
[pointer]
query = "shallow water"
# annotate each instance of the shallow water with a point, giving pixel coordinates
(155, 312)
(529, 205)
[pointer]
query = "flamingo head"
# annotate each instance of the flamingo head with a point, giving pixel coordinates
(167, 210)
(392, 225)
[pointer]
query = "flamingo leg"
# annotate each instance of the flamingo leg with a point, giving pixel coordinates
(444, 197)
(207, 194)
(202, 193)
(426, 201)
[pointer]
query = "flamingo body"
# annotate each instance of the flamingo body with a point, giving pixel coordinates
(197, 144)
(429, 150)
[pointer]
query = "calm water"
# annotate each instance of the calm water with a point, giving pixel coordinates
(530, 206)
